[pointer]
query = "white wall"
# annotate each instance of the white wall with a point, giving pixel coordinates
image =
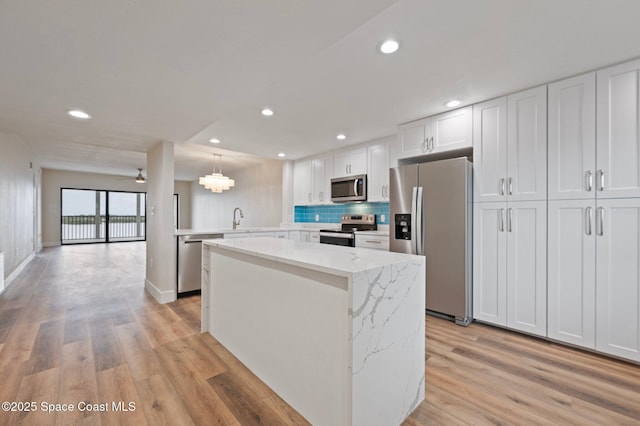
(257, 191)
(161, 244)
(19, 204)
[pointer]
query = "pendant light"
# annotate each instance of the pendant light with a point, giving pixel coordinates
(216, 181)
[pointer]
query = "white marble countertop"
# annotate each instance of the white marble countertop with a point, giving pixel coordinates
(336, 260)
(231, 231)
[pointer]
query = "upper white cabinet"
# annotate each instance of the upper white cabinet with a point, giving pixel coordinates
(347, 163)
(322, 169)
(312, 181)
(302, 180)
(378, 184)
(490, 150)
(526, 177)
(444, 132)
(514, 168)
(572, 138)
(618, 131)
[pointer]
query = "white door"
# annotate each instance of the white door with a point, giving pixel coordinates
(490, 150)
(526, 226)
(572, 138)
(618, 277)
(618, 137)
(413, 137)
(452, 130)
(571, 284)
(489, 263)
(302, 183)
(527, 145)
(378, 184)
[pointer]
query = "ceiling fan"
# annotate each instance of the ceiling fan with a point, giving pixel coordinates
(140, 178)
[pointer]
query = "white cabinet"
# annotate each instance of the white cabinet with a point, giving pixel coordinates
(321, 167)
(281, 234)
(526, 177)
(378, 175)
(489, 263)
(514, 167)
(618, 131)
(312, 181)
(310, 236)
(510, 242)
(302, 180)
(572, 138)
(618, 277)
(490, 150)
(526, 229)
(294, 235)
(444, 132)
(376, 242)
(352, 162)
(571, 281)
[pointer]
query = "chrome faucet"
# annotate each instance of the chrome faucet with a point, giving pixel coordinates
(237, 222)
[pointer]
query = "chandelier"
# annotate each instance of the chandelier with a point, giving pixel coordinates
(216, 181)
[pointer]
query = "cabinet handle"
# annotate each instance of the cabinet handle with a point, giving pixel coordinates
(432, 145)
(321, 195)
(386, 191)
(509, 219)
(501, 186)
(425, 145)
(600, 221)
(587, 220)
(510, 186)
(601, 179)
(501, 224)
(589, 180)
(309, 197)
(346, 169)
(373, 241)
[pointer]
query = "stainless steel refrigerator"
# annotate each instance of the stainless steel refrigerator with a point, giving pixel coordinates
(431, 215)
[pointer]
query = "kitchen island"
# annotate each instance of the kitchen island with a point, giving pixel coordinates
(337, 332)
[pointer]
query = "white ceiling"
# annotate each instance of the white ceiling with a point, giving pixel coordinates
(191, 70)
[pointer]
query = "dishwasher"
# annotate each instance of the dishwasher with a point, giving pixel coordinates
(190, 262)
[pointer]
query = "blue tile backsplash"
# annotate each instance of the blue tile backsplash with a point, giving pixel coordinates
(332, 213)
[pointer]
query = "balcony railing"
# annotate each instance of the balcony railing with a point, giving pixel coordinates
(85, 228)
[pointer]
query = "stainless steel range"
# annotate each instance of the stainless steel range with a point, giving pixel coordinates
(349, 225)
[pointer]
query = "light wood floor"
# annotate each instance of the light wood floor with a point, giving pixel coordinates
(77, 326)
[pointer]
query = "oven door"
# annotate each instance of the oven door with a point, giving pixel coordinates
(346, 239)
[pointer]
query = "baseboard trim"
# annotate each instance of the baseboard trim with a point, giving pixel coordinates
(161, 296)
(12, 276)
(51, 244)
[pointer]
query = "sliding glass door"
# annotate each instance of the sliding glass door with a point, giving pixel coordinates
(94, 216)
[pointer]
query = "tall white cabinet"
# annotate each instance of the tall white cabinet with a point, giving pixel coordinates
(510, 235)
(594, 211)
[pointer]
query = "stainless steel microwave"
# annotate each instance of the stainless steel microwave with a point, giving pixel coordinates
(349, 188)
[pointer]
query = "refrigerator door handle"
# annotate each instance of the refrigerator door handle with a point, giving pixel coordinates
(419, 220)
(414, 230)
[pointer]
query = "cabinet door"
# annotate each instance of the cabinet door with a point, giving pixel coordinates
(572, 138)
(452, 130)
(341, 164)
(526, 226)
(378, 177)
(618, 140)
(358, 161)
(571, 281)
(618, 277)
(527, 145)
(490, 150)
(321, 180)
(302, 179)
(489, 267)
(413, 138)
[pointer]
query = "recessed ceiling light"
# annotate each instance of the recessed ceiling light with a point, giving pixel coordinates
(78, 114)
(341, 137)
(214, 140)
(281, 154)
(389, 46)
(268, 112)
(453, 103)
